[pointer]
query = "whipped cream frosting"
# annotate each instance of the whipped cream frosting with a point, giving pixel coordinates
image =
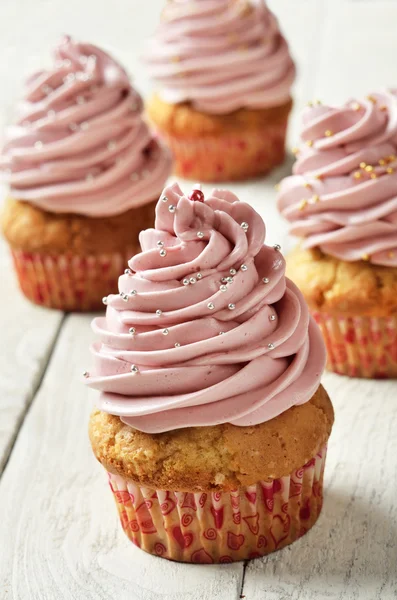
(80, 144)
(342, 196)
(206, 328)
(220, 55)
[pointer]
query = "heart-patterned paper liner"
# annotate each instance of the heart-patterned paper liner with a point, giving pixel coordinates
(360, 346)
(229, 156)
(221, 527)
(67, 282)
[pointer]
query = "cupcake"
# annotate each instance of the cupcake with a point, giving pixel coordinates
(341, 201)
(211, 422)
(84, 172)
(224, 75)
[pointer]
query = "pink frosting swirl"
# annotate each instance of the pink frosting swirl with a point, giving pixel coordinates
(221, 56)
(80, 144)
(206, 328)
(342, 197)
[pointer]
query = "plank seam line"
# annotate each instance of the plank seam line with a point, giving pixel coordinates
(31, 397)
(246, 563)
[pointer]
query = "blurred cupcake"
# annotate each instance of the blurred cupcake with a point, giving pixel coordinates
(84, 173)
(342, 202)
(224, 75)
(211, 423)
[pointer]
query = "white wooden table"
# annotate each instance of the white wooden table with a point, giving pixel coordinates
(59, 532)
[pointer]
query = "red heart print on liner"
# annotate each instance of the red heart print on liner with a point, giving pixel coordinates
(217, 513)
(189, 501)
(279, 530)
(253, 523)
(184, 540)
(234, 541)
(201, 557)
(251, 497)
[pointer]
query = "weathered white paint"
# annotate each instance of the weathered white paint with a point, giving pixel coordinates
(59, 535)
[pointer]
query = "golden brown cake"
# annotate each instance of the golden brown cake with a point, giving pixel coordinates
(218, 458)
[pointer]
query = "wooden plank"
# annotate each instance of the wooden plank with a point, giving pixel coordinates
(27, 335)
(352, 550)
(59, 519)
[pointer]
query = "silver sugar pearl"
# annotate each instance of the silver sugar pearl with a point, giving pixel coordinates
(166, 331)
(229, 279)
(193, 280)
(231, 306)
(163, 253)
(271, 346)
(244, 267)
(199, 276)
(124, 297)
(277, 247)
(233, 272)
(211, 306)
(133, 293)
(172, 208)
(105, 300)
(221, 333)
(177, 345)
(38, 144)
(265, 280)
(223, 288)
(200, 235)
(134, 369)
(164, 199)
(159, 312)
(84, 125)
(131, 330)
(185, 282)
(127, 272)
(160, 244)
(244, 226)
(272, 317)
(86, 374)
(224, 279)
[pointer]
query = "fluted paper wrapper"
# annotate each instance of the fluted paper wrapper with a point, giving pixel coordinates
(67, 282)
(229, 156)
(360, 346)
(221, 527)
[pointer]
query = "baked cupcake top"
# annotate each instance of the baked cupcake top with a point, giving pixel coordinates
(206, 328)
(342, 196)
(220, 55)
(80, 144)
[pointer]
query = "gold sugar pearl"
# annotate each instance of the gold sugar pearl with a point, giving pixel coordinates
(390, 254)
(369, 168)
(302, 204)
(389, 170)
(356, 106)
(318, 102)
(315, 199)
(309, 143)
(357, 175)
(328, 133)
(363, 165)
(381, 162)
(374, 176)
(318, 177)
(176, 59)
(365, 257)
(371, 99)
(309, 104)
(392, 157)
(383, 108)
(277, 187)
(307, 185)
(295, 150)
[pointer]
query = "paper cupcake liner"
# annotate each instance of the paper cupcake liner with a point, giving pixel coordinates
(236, 155)
(360, 346)
(215, 527)
(70, 283)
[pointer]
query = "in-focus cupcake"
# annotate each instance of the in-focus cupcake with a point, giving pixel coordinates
(84, 173)
(211, 422)
(224, 75)
(342, 202)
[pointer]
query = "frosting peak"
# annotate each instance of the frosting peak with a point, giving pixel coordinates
(342, 196)
(221, 55)
(79, 144)
(206, 328)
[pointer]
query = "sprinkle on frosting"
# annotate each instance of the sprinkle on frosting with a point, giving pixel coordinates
(220, 55)
(206, 355)
(350, 210)
(80, 144)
